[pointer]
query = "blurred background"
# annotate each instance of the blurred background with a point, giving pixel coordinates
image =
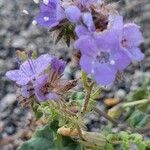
(18, 33)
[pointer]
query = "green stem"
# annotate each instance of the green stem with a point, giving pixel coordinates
(129, 104)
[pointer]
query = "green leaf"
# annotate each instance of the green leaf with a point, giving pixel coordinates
(43, 139)
(47, 139)
(139, 94)
(37, 113)
(138, 119)
(78, 97)
(66, 143)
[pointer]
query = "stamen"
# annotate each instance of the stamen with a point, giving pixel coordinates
(124, 42)
(102, 57)
(93, 62)
(46, 18)
(112, 62)
(46, 2)
(92, 71)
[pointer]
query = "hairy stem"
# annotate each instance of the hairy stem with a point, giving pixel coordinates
(106, 116)
(143, 130)
(80, 133)
(87, 98)
(88, 87)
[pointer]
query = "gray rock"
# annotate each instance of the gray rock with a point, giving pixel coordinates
(120, 94)
(7, 101)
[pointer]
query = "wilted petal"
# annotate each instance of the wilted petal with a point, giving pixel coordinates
(73, 14)
(105, 74)
(133, 35)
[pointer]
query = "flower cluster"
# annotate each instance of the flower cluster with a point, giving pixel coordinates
(107, 45)
(38, 77)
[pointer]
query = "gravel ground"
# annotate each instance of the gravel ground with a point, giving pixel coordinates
(17, 32)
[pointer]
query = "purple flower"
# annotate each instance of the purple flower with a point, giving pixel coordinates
(29, 70)
(58, 65)
(42, 91)
(105, 53)
(103, 63)
(45, 84)
(51, 13)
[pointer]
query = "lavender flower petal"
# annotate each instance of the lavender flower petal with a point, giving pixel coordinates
(58, 65)
(18, 76)
(80, 30)
(105, 74)
(132, 34)
(136, 54)
(45, 19)
(29, 70)
(86, 63)
(86, 44)
(110, 38)
(41, 92)
(40, 82)
(42, 62)
(88, 21)
(50, 14)
(121, 59)
(73, 14)
(25, 92)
